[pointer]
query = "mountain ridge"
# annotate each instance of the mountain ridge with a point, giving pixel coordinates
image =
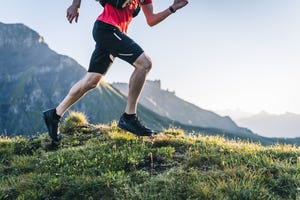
(167, 104)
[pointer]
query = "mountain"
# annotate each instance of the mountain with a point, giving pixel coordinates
(167, 104)
(195, 119)
(270, 125)
(35, 78)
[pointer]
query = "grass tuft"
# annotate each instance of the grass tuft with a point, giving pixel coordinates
(72, 122)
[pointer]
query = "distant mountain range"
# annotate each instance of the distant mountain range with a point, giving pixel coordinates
(270, 125)
(285, 125)
(34, 78)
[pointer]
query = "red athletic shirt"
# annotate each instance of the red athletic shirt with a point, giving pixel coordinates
(120, 18)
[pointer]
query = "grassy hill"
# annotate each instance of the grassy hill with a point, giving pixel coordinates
(103, 162)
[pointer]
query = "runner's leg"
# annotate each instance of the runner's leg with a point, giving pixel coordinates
(137, 80)
(89, 81)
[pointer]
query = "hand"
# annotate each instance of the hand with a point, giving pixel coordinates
(73, 13)
(179, 4)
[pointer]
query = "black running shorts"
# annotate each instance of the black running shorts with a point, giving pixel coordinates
(111, 43)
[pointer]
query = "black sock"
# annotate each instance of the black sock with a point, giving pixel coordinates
(55, 115)
(129, 116)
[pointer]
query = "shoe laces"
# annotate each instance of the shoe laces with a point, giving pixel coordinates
(139, 122)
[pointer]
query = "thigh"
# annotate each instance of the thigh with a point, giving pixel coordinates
(110, 43)
(92, 77)
(100, 61)
(125, 48)
(115, 42)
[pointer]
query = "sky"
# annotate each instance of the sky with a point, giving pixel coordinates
(219, 55)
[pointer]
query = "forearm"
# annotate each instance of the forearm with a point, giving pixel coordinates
(155, 18)
(158, 17)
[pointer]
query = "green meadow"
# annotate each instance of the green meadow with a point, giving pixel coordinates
(104, 162)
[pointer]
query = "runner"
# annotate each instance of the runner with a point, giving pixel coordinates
(110, 34)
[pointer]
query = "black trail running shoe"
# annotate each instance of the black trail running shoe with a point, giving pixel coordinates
(134, 126)
(52, 121)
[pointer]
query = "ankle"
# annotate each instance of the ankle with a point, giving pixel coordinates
(129, 116)
(55, 115)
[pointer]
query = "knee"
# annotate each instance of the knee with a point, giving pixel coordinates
(148, 65)
(92, 82)
(144, 63)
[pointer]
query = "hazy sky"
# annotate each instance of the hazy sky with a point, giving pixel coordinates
(216, 54)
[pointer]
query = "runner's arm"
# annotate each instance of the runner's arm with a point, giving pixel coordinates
(73, 11)
(155, 18)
